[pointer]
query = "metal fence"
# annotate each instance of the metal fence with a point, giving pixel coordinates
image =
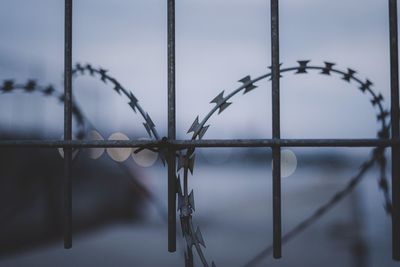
(172, 146)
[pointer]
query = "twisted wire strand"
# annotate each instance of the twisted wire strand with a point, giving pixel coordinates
(31, 86)
(133, 101)
(248, 84)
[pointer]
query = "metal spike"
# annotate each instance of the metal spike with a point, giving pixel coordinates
(383, 115)
(48, 90)
(149, 121)
(80, 68)
(203, 131)
(349, 75)
(184, 161)
(221, 102)
(328, 68)
(103, 74)
(30, 86)
(195, 125)
(199, 237)
(366, 85)
(224, 106)
(117, 86)
(248, 84)
(90, 69)
(147, 127)
(191, 200)
(303, 66)
(219, 99)
(246, 79)
(249, 88)
(377, 99)
(133, 101)
(8, 86)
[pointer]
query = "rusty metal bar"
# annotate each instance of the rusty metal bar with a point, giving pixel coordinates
(182, 144)
(394, 85)
(171, 129)
(276, 150)
(68, 125)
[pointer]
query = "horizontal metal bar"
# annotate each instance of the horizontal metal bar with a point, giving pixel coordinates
(81, 143)
(182, 144)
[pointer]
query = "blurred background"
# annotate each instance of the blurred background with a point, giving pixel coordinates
(119, 207)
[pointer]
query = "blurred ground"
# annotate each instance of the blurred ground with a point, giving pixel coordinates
(233, 208)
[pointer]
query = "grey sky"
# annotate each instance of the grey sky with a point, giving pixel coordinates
(218, 43)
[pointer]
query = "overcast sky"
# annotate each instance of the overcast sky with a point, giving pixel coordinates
(218, 43)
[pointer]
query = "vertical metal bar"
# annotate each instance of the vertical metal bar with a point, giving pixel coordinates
(394, 84)
(171, 129)
(68, 125)
(276, 151)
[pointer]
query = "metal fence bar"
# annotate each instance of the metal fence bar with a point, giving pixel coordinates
(171, 129)
(68, 125)
(181, 144)
(394, 83)
(276, 150)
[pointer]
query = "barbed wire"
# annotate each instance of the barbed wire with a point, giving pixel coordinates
(31, 86)
(82, 121)
(194, 238)
(118, 88)
(186, 159)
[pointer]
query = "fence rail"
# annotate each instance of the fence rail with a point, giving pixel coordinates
(184, 144)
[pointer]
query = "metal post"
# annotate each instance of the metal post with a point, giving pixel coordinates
(171, 129)
(276, 150)
(68, 125)
(394, 84)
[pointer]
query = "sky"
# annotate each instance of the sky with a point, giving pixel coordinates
(217, 43)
